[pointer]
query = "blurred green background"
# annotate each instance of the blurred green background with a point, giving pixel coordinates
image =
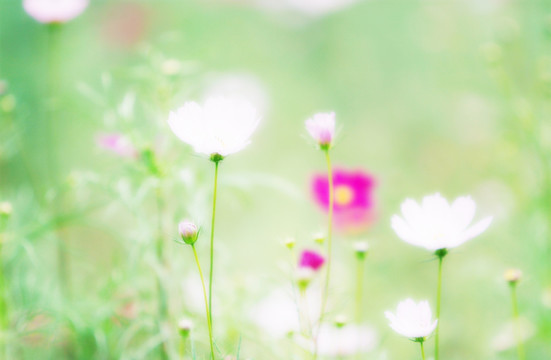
(449, 96)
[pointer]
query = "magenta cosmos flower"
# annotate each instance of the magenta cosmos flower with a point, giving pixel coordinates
(353, 204)
(54, 11)
(311, 259)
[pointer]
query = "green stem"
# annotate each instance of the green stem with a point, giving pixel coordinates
(52, 170)
(516, 324)
(211, 269)
(209, 319)
(422, 350)
(329, 236)
(304, 310)
(159, 247)
(359, 289)
(4, 324)
(440, 254)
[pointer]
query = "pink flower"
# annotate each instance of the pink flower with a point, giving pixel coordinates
(352, 198)
(54, 11)
(321, 127)
(311, 259)
(118, 144)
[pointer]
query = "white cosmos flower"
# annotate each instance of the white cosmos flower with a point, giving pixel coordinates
(412, 320)
(54, 11)
(435, 224)
(220, 126)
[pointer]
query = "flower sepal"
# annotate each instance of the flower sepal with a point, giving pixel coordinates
(440, 253)
(216, 158)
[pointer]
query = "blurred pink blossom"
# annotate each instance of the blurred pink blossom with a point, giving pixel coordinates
(54, 11)
(353, 207)
(118, 144)
(311, 259)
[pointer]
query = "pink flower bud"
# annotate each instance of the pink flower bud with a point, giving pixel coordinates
(188, 232)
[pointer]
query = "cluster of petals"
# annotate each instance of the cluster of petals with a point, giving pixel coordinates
(54, 11)
(220, 126)
(353, 197)
(321, 128)
(412, 320)
(435, 224)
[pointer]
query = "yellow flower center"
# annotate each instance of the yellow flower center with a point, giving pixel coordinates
(343, 195)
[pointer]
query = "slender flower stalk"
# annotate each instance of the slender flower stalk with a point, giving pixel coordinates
(437, 225)
(440, 254)
(512, 276)
(216, 160)
(207, 303)
(5, 212)
(329, 237)
(360, 248)
(329, 233)
(219, 127)
(321, 128)
(161, 288)
(189, 234)
(422, 350)
(51, 110)
(359, 288)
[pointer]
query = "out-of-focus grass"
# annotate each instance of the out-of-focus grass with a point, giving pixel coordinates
(431, 95)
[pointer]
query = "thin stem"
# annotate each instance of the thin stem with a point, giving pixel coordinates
(209, 320)
(211, 269)
(159, 247)
(304, 310)
(359, 288)
(422, 350)
(438, 299)
(52, 170)
(4, 324)
(329, 236)
(516, 324)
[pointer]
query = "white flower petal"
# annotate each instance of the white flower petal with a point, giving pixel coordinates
(221, 126)
(476, 229)
(435, 224)
(463, 209)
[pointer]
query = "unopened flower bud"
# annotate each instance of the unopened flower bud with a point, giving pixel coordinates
(304, 277)
(188, 232)
(361, 248)
(289, 243)
(512, 276)
(340, 321)
(184, 327)
(319, 238)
